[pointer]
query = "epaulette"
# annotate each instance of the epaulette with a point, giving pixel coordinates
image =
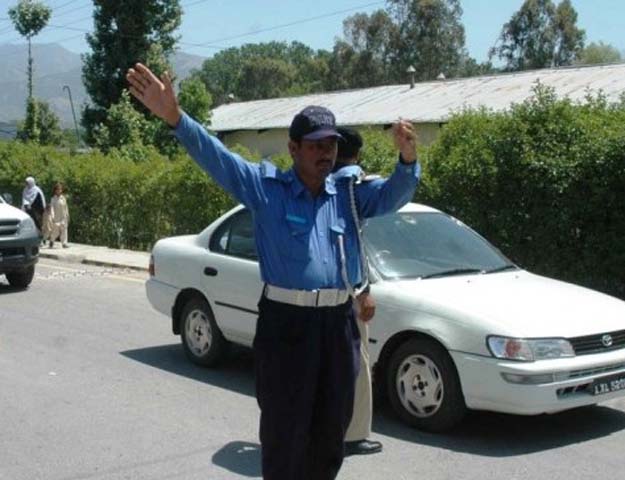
(269, 170)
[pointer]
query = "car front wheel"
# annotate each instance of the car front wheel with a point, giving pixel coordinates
(22, 278)
(203, 342)
(423, 386)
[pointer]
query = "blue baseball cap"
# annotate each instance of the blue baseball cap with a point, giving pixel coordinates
(313, 123)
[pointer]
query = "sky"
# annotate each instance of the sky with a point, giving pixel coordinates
(211, 25)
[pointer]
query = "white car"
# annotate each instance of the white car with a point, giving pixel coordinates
(457, 326)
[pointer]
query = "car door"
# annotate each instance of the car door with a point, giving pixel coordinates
(233, 278)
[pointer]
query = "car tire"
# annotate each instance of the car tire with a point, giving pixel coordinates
(22, 278)
(202, 340)
(423, 386)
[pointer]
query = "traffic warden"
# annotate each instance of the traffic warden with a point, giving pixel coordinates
(307, 343)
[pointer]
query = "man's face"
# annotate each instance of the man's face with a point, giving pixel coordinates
(313, 159)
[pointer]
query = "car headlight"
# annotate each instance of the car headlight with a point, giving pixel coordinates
(27, 225)
(529, 350)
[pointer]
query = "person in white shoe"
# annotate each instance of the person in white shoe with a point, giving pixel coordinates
(357, 440)
(59, 216)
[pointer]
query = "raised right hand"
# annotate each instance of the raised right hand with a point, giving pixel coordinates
(156, 94)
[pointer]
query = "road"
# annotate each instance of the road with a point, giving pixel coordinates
(93, 385)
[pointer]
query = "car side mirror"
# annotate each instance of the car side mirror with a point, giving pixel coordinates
(8, 198)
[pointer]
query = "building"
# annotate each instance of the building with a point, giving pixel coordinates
(262, 125)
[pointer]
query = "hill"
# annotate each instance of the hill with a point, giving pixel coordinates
(54, 67)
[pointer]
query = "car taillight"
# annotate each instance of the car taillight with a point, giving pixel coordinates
(151, 266)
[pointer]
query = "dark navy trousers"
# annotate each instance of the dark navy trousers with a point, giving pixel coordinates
(306, 362)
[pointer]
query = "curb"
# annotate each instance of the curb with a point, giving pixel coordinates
(74, 258)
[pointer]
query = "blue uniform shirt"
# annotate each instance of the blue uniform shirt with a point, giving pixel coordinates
(296, 233)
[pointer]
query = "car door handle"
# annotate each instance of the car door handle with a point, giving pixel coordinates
(210, 271)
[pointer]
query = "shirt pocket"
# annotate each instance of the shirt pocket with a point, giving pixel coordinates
(297, 242)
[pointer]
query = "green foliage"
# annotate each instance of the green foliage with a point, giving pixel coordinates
(115, 200)
(29, 17)
(543, 182)
(29, 131)
(431, 37)
(377, 49)
(598, 53)
(195, 99)
(540, 35)
(125, 33)
(124, 126)
(264, 70)
(41, 124)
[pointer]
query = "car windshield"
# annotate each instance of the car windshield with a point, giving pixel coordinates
(428, 245)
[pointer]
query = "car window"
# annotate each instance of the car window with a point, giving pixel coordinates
(235, 237)
(410, 245)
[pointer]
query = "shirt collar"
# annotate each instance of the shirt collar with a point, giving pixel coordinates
(297, 187)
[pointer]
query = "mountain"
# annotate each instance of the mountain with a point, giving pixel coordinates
(54, 67)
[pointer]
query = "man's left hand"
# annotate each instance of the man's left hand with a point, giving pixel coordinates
(405, 140)
(366, 305)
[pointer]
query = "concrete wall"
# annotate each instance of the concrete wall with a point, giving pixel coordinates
(274, 141)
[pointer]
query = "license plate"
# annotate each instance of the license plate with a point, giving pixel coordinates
(608, 385)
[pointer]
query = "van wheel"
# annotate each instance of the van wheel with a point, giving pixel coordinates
(423, 386)
(22, 278)
(203, 342)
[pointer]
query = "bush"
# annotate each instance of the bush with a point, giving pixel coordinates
(543, 182)
(114, 200)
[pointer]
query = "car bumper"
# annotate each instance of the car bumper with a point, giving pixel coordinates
(161, 296)
(570, 385)
(17, 254)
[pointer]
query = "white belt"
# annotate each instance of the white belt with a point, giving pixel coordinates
(324, 297)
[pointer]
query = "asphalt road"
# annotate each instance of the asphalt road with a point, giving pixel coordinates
(93, 385)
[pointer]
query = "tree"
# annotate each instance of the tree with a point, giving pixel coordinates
(540, 35)
(29, 130)
(431, 37)
(124, 125)
(378, 48)
(48, 122)
(238, 71)
(364, 58)
(264, 77)
(598, 53)
(569, 38)
(124, 33)
(29, 18)
(195, 100)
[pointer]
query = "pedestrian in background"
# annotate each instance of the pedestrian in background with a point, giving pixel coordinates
(357, 436)
(33, 201)
(306, 344)
(46, 224)
(59, 216)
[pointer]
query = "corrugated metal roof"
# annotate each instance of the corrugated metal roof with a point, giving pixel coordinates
(427, 102)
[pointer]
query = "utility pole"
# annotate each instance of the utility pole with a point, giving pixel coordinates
(71, 102)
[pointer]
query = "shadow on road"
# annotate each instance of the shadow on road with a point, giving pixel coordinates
(498, 435)
(242, 458)
(482, 433)
(235, 373)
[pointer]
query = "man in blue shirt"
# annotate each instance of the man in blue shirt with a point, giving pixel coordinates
(307, 343)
